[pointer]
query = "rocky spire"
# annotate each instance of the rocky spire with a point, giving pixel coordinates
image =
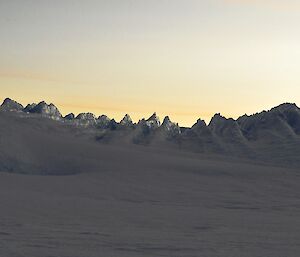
(126, 121)
(170, 127)
(167, 122)
(153, 121)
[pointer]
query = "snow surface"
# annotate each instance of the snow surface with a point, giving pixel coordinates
(85, 191)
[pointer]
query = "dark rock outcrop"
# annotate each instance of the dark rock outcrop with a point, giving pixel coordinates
(70, 116)
(29, 107)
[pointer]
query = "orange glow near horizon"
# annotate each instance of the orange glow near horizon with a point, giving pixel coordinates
(186, 59)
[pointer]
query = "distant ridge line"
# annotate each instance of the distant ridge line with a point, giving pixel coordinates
(53, 112)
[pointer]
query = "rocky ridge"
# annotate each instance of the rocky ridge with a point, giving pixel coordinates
(276, 127)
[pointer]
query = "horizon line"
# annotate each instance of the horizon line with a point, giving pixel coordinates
(125, 113)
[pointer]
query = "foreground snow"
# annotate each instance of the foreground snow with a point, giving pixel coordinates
(160, 205)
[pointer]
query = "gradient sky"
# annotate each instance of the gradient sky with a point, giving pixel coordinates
(184, 58)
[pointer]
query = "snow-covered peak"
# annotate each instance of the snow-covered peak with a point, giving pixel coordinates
(49, 110)
(153, 121)
(126, 121)
(170, 126)
(166, 120)
(86, 116)
(11, 105)
(103, 121)
(154, 117)
(167, 123)
(103, 118)
(86, 119)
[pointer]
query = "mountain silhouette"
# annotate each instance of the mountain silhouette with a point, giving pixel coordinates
(271, 136)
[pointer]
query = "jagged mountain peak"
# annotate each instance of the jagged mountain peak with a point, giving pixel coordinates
(282, 121)
(103, 118)
(49, 110)
(227, 129)
(219, 120)
(153, 117)
(11, 105)
(43, 103)
(113, 124)
(167, 122)
(284, 117)
(86, 119)
(153, 121)
(70, 116)
(86, 116)
(275, 110)
(8, 101)
(170, 126)
(200, 129)
(200, 123)
(29, 107)
(126, 121)
(166, 119)
(285, 107)
(103, 121)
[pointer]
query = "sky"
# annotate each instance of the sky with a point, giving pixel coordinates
(188, 59)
